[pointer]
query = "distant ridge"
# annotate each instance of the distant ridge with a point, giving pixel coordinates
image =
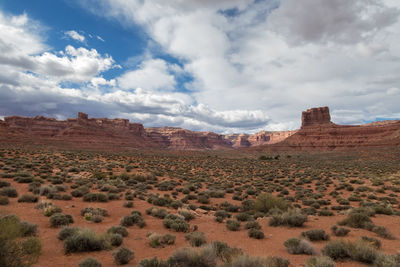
(85, 132)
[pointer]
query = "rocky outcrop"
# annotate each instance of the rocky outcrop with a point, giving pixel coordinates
(315, 117)
(258, 139)
(318, 132)
(178, 138)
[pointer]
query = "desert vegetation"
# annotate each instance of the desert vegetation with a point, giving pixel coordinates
(199, 208)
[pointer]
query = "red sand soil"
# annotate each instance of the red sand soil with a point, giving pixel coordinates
(272, 245)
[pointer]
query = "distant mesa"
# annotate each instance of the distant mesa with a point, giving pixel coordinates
(317, 132)
(315, 117)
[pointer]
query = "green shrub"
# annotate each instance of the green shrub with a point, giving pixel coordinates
(265, 202)
(95, 197)
(28, 198)
(299, 246)
(123, 255)
(116, 239)
(315, 235)
(233, 225)
(157, 240)
(372, 241)
(89, 262)
(206, 257)
(32, 246)
(252, 225)
(67, 232)
(363, 252)
(321, 261)
(196, 239)
(249, 261)
(339, 231)
(133, 219)
(176, 222)
(187, 215)
(154, 262)
(85, 240)
(8, 192)
(382, 231)
(356, 220)
(224, 252)
(157, 212)
(59, 219)
(118, 230)
(292, 218)
(337, 250)
(255, 233)
(4, 200)
(14, 249)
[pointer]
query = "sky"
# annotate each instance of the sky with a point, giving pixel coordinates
(228, 66)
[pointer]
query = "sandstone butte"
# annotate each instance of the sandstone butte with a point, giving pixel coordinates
(316, 133)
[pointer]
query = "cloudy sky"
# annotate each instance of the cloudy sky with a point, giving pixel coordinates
(223, 66)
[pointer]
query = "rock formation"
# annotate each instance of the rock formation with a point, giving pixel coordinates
(315, 117)
(318, 132)
(258, 139)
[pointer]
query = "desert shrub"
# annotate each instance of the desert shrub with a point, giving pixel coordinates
(249, 261)
(95, 197)
(325, 212)
(255, 233)
(4, 184)
(14, 249)
(9, 192)
(4, 200)
(157, 240)
(321, 261)
(157, 212)
(85, 240)
(123, 255)
(292, 218)
(67, 232)
(116, 239)
(356, 220)
(337, 250)
(51, 209)
(363, 252)
(252, 225)
(299, 246)
(222, 213)
(372, 241)
(89, 262)
(32, 246)
(176, 222)
(242, 217)
(387, 261)
(196, 239)
(339, 231)
(206, 257)
(128, 204)
(118, 230)
(224, 252)
(382, 231)
(28, 198)
(266, 202)
(187, 215)
(315, 235)
(154, 262)
(233, 225)
(59, 219)
(132, 219)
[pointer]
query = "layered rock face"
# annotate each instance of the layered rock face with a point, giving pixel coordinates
(177, 138)
(81, 131)
(258, 139)
(318, 132)
(120, 133)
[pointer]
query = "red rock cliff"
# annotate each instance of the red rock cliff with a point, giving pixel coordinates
(315, 117)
